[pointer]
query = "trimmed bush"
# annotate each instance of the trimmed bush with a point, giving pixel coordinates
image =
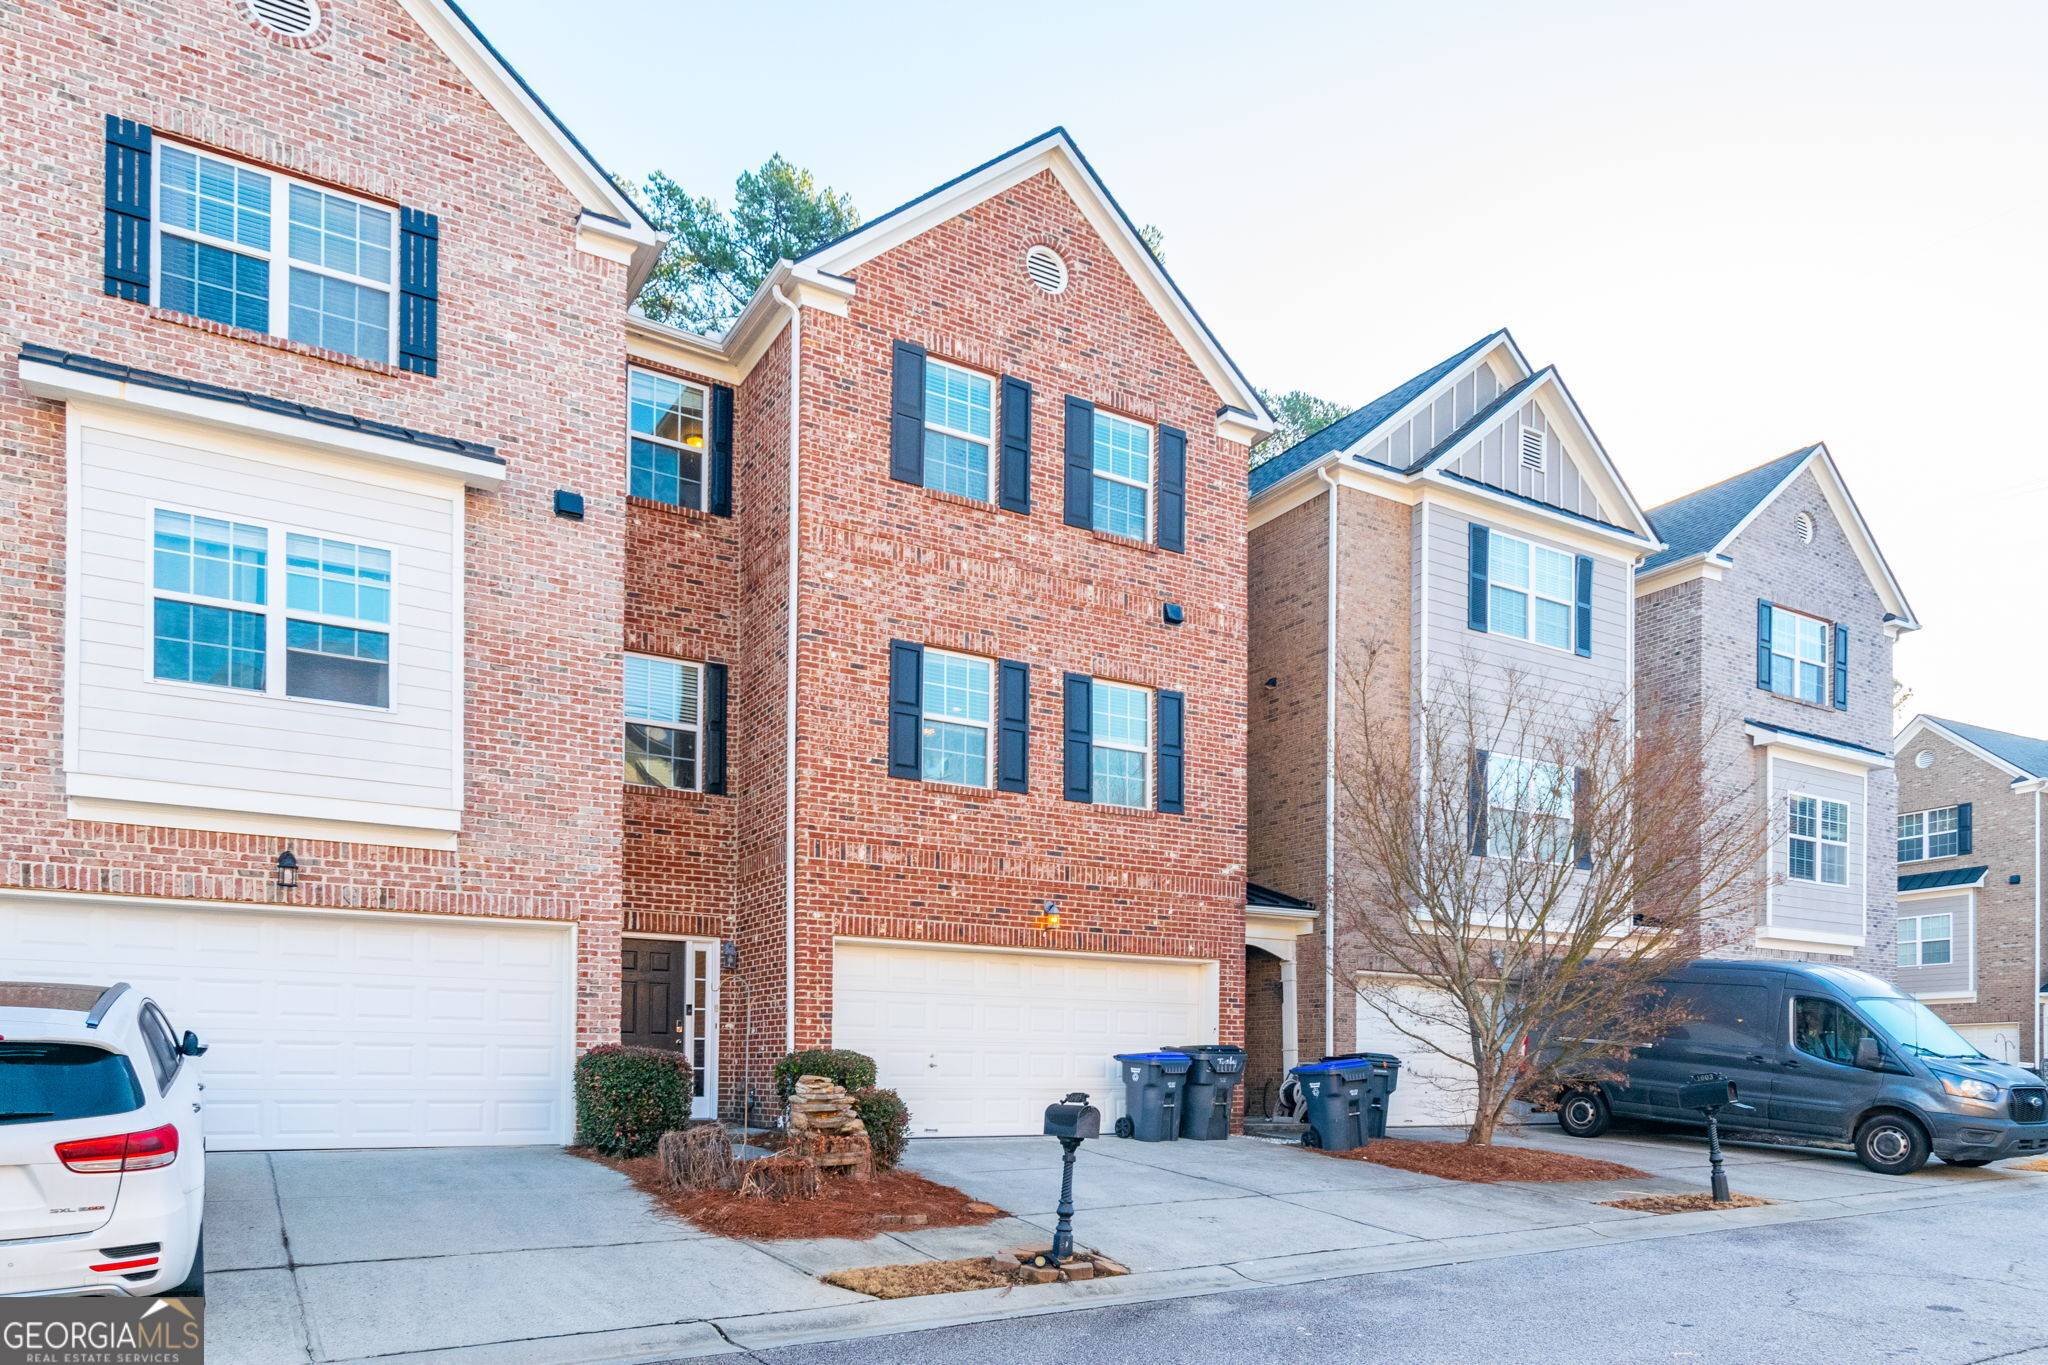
(854, 1070)
(887, 1119)
(627, 1097)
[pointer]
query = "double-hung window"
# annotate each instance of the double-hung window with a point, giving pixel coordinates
(664, 722)
(1529, 591)
(1799, 656)
(1819, 844)
(1927, 941)
(1529, 809)
(262, 251)
(336, 596)
(666, 461)
(1120, 739)
(1929, 834)
(959, 429)
(1123, 477)
(954, 732)
(207, 573)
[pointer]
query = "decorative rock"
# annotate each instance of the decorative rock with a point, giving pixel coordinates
(976, 1206)
(1040, 1274)
(1078, 1270)
(1105, 1266)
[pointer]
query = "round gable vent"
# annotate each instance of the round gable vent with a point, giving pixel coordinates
(285, 18)
(1924, 759)
(1046, 269)
(1802, 526)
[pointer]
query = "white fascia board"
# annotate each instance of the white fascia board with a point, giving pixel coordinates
(69, 386)
(128, 790)
(1241, 428)
(1861, 540)
(1503, 342)
(2022, 779)
(1506, 509)
(1819, 752)
(1810, 941)
(1710, 567)
(663, 344)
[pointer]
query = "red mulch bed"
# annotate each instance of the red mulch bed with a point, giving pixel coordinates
(1486, 1165)
(889, 1201)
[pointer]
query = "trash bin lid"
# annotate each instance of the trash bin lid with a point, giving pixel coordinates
(1163, 1058)
(1205, 1049)
(1330, 1066)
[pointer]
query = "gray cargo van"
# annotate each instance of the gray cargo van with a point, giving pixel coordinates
(1828, 1055)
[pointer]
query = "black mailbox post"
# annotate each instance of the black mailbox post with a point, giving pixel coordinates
(1710, 1093)
(1073, 1120)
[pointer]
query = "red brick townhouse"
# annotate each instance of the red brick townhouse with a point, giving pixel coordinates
(418, 668)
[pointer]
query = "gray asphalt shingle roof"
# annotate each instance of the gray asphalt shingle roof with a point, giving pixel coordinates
(1697, 522)
(2028, 755)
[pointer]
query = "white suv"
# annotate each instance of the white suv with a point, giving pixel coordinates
(102, 1163)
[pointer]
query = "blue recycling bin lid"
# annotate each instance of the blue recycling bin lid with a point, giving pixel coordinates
(1153, 1057)
(1333, 1066)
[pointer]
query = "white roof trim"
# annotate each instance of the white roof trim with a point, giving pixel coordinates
(1919, 724)
(1503, 342)
(1763, 737)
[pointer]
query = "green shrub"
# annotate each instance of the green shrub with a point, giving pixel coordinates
(854, 1070)
(887, 1120)
(627, 1097)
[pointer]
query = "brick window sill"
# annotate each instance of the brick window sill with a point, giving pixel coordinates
(275, 342)
(961, 790)
(670, 793)
(674, 509)
(959, 500)
(1111, 537)
(1130, 812)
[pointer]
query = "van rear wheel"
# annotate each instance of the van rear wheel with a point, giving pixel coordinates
(1891, 1144)
(1584, 1113)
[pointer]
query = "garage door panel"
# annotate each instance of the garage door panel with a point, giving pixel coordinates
(1434, 1090)
(331, 1030)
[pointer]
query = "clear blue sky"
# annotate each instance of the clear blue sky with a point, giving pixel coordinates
(1735, 228)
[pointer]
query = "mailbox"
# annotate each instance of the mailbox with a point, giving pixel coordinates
(1073, 1117)
(1715, 1092)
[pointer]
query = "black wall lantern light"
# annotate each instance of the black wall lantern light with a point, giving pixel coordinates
(287, 870)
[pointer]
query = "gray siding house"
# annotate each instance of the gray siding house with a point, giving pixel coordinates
(1767, 620)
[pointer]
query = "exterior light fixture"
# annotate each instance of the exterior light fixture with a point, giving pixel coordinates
(1050, 919)
(287, 870)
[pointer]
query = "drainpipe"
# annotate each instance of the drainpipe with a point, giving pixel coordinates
(2034, 981)
(1330, 779)
(796, 338)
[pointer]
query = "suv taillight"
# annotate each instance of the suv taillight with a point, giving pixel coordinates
(144, 1151)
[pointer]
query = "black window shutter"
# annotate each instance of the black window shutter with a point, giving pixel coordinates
(1173, 489)
(1013, 727)
(906, 414)
(1475, 804)
(1964, 840)
(906, 709)
(1080, 448)
(1172, 744)
(1584, 643)
(1475, 572)
(419, 291)
(714, 729)
(1582, 816)
(127, 202)
(1841, 668)
(1080, 701)
(1015, 491)
(1763, 644)
(721, 451)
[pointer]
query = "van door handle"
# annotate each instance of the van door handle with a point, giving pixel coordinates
(1790, 1063)
(1756, 1057)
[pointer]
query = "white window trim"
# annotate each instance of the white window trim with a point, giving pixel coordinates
(1926, 836)
(1528, 634)
(1150, 486)
(987, 727)
(1523, 814)
(277, 257)
(1920, 942)
(691, 727)
(987, 443)
(1144, 750)
(702, 453)
(272, 609)
(1818, 839)
(1827, 657)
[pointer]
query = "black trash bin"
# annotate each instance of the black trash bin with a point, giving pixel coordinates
(1337, 1094)
(1205, 1104)
(1386, 1076)
(1153, 1082)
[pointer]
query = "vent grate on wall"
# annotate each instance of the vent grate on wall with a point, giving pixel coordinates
(285, 18)
(1802, 526)
(1532, 450)
(1046, 269)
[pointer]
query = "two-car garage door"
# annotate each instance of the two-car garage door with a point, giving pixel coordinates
(335, 1030)
(979, 1042)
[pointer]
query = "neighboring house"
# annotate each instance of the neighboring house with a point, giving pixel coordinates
(1970, 867)
(869, 675)
(1767, 622)
(1466, 524)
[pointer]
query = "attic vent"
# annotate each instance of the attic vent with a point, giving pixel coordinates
(285, 18)
(1924, 759)
(1802, 526)
(1532, 450)
(1046, 269)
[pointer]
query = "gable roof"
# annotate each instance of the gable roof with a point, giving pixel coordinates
(828, 267)
(2020, 755)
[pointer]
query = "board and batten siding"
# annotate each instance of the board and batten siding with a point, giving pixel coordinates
(1496, 461)
(1452, 409)
(1814, 907)
(1957, 976)
(218, 749)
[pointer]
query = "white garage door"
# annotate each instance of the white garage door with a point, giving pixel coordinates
(2000, 1042)
(367, 1030)
(1433, 1090)
(978, 1043)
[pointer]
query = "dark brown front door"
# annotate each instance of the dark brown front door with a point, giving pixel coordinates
(665, 1001)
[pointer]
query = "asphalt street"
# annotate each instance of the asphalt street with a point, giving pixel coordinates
(1963, 1282)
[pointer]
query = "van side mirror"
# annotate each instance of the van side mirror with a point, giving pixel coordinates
(1869, 1056)
(191, 1046)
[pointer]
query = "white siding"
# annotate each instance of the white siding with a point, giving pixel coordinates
(1957, 976)
(215, 748)
(1812, 907)
(1451, 409)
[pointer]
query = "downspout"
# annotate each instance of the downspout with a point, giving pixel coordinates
(2040, 1014)
(1330, 779)
(796, 338)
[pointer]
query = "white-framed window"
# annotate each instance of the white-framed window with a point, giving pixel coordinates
(1801, 648)
(1120, 744)
(206, 572)
(959, 430)
(664, 722)
(1529, 591)
(958, 706)
(1926, 940)
(1529, 809)
(1819, 845)
(1929, 834)
(665, 459)
(1123, 477)
(333, 589)
(263, 251)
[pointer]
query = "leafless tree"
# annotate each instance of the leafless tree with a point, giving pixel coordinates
(1519, 862)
